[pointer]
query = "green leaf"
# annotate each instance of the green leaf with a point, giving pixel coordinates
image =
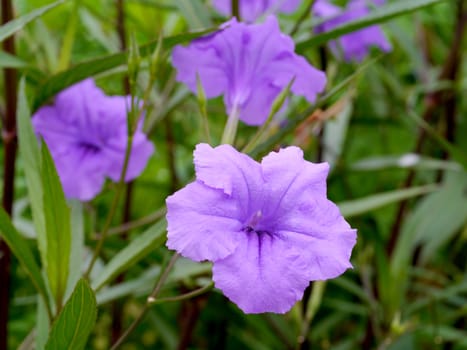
(95, 29)
(81, 71)
(144, 244)
(366, 204)
(66, 47)
(407, 160)
(444, 203)
(23, 253)
(77, 246)
(74, 324)
(195, 12)
(294, 122)
(31, 157)
(10, 61)
(450, 206)
(445, 210)
(335, 133)
(378, 15)
(42, 325)
(13, 26)
(456, 153)
(58, 227)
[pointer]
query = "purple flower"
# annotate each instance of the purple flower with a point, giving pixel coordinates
(268, 227)
(86, 132)
(354, 46)
(248, 64)
(250, 10)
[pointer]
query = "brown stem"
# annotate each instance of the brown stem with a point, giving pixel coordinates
(434, 101)
(9, 142)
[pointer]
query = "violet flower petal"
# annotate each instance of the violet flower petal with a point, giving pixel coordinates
(250, 10)
(268, 228)
(202, 229)
(354, 46)
(265, 274)
(249, 65)
(86, 133)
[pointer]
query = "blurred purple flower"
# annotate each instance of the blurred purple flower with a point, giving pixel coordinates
(268, 227)
(248, 64)
(250, 10)
(86, 132)
(354, 46)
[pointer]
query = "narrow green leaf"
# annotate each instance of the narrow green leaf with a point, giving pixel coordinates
(74, 324)
(335, 133)
(407, 160)
(294, 122)
(87, 69)
(42, 325)
(456, 153)
(195, 12)
(77, 246)
(64, 57)
(31, 157)
(58, 228)
(152, 238)
(10, 61)
(445, 210)
(364, 205)
(378, 15)
(23, 253)
(13, 26)
(432, 231)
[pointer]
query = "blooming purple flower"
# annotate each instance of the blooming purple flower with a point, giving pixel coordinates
(354, 46)
(86, 132)
(250, 10)
(248, 64)
(268, 227)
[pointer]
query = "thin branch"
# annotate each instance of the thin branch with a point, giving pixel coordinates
(159, 283)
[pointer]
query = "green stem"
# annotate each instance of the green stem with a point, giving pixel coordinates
(230, 129)
(185, 296)
(257, 137)
(302, 18)
(152, 297)
(131, 225)
(205, 122)
(114, 205)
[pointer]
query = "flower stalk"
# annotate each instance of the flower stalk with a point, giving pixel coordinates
(236, 9)
(230, 129)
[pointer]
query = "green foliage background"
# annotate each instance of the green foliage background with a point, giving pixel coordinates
(375, 125)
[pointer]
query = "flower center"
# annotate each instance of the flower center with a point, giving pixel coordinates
(89, 147)
(253, 225)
